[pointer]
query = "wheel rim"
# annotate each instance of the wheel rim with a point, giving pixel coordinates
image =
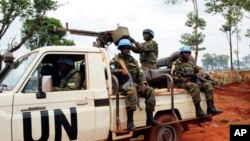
(166, 134)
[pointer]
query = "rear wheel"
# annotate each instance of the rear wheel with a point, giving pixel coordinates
(171, 132)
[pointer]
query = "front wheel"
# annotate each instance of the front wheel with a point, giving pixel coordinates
(171, 132)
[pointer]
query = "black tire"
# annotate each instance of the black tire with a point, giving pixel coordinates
(171, 132)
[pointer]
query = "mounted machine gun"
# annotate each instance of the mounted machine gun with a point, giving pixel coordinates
(103, 39)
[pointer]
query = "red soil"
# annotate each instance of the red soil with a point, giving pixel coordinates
(234, 100)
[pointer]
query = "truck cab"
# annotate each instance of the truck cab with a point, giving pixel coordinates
(58, 115)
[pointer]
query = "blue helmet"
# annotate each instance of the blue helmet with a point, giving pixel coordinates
(66, 60)
(124, 42)
(185, 49)
(147, 30)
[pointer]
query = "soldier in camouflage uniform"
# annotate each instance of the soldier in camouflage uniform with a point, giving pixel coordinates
(148, 50)
(183, 65)
(71, 79)
(138, 85)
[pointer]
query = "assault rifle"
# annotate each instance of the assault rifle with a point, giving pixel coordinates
(195, 77)
(130, 81)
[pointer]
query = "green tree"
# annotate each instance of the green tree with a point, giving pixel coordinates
(196, 23)
(44, 34)
(11, 10)
(238, 38)
(213, 61)
(246, 61)
(248, 33)
(239, 64)
(196, 38)
(232, 11)
(222, 61)
(208, 61)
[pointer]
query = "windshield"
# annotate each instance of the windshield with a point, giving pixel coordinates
(16, 72)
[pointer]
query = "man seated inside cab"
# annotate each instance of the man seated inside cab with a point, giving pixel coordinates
(70, 77)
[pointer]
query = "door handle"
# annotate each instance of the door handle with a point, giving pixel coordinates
(82, 102)
(33, 109)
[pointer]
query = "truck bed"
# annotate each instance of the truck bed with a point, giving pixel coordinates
(158, 92)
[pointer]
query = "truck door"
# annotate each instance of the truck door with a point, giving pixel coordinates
(61, 114)
(5, 115)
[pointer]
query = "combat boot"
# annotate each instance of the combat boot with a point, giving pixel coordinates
(150, 120)
(130, 120)
(211, 109)
(198, 110)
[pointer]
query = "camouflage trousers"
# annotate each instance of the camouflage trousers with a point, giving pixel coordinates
(195, 89)
(145, 65)
(131, 99)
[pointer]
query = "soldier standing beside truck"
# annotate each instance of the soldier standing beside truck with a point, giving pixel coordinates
(183, 66)
(132, 90)
(148, 50)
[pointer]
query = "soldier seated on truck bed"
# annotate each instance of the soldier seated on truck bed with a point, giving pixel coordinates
(184, 66)
(126, 69)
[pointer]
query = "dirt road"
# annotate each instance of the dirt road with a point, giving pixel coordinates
(234, 100)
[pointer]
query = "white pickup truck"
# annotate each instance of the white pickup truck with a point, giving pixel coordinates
(31, 110)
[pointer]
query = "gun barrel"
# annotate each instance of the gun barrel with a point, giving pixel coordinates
(79, 32)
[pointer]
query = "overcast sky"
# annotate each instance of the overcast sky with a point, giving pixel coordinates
(167, 21)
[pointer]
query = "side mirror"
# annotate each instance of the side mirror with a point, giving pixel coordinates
(47, 83)
(44, 85)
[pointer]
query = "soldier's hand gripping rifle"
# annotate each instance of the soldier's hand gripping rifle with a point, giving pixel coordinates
(130, 81)
(191, 76)
(194, 77)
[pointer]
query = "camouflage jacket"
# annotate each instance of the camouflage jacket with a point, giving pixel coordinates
(71, 81)
(132, 66)
(184, 66)
(148, 52)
